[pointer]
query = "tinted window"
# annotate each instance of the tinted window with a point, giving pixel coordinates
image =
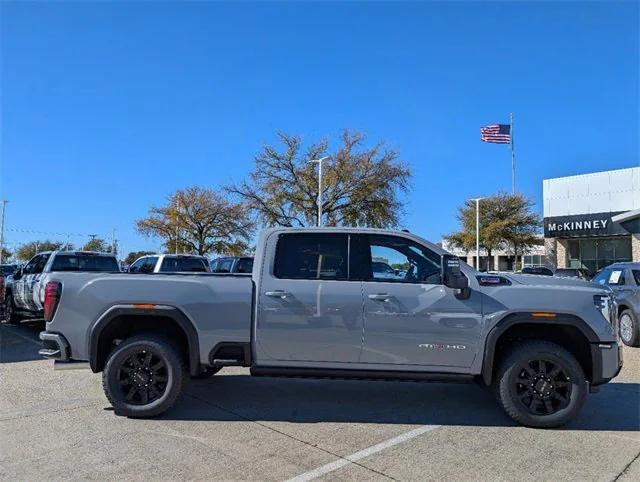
(144, 265)
(84, 262)
(312, 256)
(245, 265)
(567, 272)
(197, 265)
(610, 276)
(37, 264)
(397, 259)
(223, 265)
(636, 275)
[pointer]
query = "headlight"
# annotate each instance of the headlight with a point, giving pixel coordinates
(605, 305)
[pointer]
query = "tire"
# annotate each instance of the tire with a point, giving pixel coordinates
(206, 372)
(10, 315)
(144, 376)
(532, 399)
(629, 329)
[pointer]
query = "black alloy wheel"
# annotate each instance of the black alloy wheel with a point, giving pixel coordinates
(143, 377)
(543, 387)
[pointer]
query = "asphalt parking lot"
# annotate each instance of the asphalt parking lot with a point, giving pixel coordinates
(58, 424)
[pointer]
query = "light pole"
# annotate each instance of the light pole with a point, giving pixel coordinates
(4, 205)
(319, 201)
(477, 200)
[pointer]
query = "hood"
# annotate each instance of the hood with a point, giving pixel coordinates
(541, 280)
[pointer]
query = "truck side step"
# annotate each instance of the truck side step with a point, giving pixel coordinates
(261, 371)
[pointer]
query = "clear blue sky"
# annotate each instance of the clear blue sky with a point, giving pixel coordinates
(107, 108)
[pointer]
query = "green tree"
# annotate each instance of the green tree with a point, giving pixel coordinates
(133, 255)
(361, 185)
(6, 254)
(200, 221)
(28, 250)
(506, 220)
(97, 244)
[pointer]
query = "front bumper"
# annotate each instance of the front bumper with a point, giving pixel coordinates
(54, 346)
(607, 361)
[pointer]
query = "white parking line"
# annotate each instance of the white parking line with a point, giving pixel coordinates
(330, 467)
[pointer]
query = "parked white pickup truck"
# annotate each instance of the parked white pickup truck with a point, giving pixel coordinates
(25, 288)
(315, 307)
(170, 263)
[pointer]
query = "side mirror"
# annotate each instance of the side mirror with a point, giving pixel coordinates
(452, 277)
(17, 274)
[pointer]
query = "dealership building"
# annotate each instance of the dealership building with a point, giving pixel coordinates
(592, 220)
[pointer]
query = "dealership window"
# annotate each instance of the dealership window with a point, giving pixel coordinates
(533, 260)
(595, 254)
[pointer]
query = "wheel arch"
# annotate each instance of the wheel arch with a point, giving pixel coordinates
(127, 320)
(567, 330)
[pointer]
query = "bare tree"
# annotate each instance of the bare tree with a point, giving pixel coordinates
(361, 185)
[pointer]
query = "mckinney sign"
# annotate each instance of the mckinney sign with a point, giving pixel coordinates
(599, 224)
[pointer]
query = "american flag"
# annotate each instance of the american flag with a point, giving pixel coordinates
(496, 133)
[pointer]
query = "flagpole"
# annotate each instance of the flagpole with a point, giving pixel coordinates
(513, 157)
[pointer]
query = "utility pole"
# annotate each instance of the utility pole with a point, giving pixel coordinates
(4, 206)
(477, 200)
(319, 201)
(113, 241)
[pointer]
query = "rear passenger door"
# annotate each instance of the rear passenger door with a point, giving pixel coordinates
(308, 310)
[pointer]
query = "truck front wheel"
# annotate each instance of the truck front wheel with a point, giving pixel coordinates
(143, 376)
(540, 384)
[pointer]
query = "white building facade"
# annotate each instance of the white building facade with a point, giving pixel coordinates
(592, 220)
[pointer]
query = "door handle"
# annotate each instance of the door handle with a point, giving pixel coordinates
(380, 297)
(277, 294)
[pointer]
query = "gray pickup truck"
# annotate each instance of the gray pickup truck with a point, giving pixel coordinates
(314, 307)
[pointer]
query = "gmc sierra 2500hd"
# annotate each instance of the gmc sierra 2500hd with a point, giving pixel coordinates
(314, 307)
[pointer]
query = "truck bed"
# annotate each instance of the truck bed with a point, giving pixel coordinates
(219, 306)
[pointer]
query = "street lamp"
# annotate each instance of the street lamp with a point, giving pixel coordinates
(477, 200)
(319, 201)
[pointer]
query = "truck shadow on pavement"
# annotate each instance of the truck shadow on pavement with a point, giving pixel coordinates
(242, 398)
(20, 343)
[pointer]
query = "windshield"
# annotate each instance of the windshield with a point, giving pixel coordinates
(610, 276)
(84, 262)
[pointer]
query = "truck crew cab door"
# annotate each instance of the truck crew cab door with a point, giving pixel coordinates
(412, 319)
(27, 287)
(308, 310)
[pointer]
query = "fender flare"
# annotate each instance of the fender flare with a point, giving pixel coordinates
(94, 333)
(513, 319)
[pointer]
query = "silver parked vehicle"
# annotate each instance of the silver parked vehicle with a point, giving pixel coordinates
(315, 307)
(624, 280)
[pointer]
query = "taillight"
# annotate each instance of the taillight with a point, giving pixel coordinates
(51, 298)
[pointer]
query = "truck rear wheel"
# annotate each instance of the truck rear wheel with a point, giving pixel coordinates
(10, 315)
(540, 384)
(629, 329)
(143, 376)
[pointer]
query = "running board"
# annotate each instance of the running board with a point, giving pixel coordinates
(70, 365)
(259, 371)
